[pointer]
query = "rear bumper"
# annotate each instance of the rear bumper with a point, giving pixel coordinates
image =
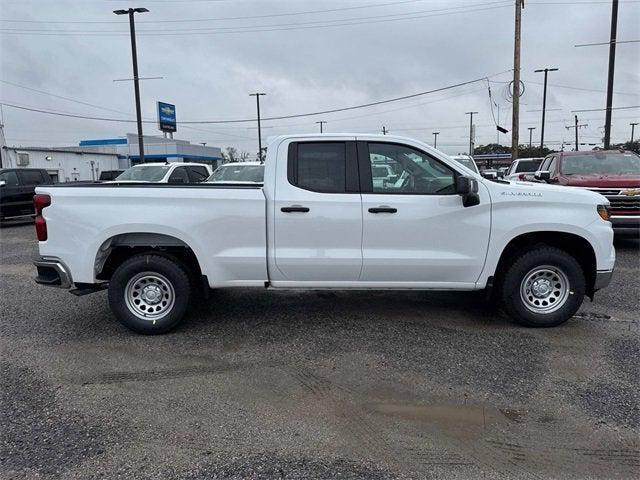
(53, 273)
(603, 279)
(626, 224)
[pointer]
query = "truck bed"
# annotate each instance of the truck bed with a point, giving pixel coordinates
(224, 225)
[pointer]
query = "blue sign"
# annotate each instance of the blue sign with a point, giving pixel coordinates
(166, 117)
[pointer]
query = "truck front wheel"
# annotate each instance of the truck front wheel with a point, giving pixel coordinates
(149, 294)
(544, 287)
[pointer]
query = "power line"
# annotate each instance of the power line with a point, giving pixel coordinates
(282, 117)
(262, 28)
(605, 109)
(221, 19)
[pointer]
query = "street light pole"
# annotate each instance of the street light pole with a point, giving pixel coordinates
(531, 129)
(258, 95)
(471, 114)
(136, 82)
(435, 139)
(633, 127)
(544, 102)
(321, 122)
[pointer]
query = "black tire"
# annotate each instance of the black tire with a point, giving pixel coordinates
(167, 280)
(522, 310)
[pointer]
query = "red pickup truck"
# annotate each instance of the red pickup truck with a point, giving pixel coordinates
(612, 173)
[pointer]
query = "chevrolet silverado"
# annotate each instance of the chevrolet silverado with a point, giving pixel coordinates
(322, 219)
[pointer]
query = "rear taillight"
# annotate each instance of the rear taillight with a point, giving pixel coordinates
(39, 202)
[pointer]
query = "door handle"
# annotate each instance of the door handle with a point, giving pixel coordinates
(294, 208)
(383, 210)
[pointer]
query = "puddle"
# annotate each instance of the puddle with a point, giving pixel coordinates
(451, 415)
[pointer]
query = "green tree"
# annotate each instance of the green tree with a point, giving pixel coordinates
(523, 150)
(631, 146)
(230, 154)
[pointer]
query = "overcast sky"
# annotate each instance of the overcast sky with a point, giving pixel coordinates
(363, 51)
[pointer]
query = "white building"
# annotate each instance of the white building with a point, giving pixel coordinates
(91, 157)
(63, 165)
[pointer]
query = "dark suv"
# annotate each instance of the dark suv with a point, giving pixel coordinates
(17, 187)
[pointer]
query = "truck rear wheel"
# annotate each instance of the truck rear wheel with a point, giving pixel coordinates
(543, 288)
(149, 294)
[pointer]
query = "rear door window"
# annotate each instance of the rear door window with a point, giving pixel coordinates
(319, 166)
(179, 175)
(32, 177)
(198, 174)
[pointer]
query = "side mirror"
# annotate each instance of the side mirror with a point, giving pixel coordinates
(465, 185)
(543, 175)
(468, 188)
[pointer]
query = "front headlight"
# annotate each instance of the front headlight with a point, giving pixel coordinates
(605, 212)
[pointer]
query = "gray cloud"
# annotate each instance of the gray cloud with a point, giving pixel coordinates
(209, 76)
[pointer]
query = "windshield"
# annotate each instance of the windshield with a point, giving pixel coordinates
(527, 166)
(467, 162)
(601, 163)
(238, 173)
(144, 173)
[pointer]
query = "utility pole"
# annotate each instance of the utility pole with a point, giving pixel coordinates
(577, 127)
(136, 82)
(544, 102)
(258, 95)
(531, 129)
(321, 122)
(633, 127)
(435, 139)
(384, 130)
(612, 64)
(471, 114)
(515, 119)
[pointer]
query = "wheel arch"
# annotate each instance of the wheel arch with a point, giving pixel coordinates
(120, 247)
(573, 244)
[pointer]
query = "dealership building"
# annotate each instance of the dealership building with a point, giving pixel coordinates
(156, 149)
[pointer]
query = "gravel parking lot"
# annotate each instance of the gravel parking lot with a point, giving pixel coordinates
(354, 385)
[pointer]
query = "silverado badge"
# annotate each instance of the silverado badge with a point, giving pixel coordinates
(632, 192)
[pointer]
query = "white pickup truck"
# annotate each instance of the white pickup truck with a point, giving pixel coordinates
(321, 220)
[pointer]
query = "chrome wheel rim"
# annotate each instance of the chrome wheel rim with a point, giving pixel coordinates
(544, 289)
(149, 296)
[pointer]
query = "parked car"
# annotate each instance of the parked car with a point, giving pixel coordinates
(238, 172)
(612, 173)
(106, 175)
(467, 161)
(177, 172)
(17, 187)
(319, 221)
(489, 173)
(520, 168)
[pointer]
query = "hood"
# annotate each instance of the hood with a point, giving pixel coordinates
(602, 180)
(542, 192)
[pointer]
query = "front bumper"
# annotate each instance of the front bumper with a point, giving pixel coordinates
(603, 279)
(53, 273)
(626, 224)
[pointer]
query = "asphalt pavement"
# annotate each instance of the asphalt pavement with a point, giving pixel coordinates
(351, 385)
